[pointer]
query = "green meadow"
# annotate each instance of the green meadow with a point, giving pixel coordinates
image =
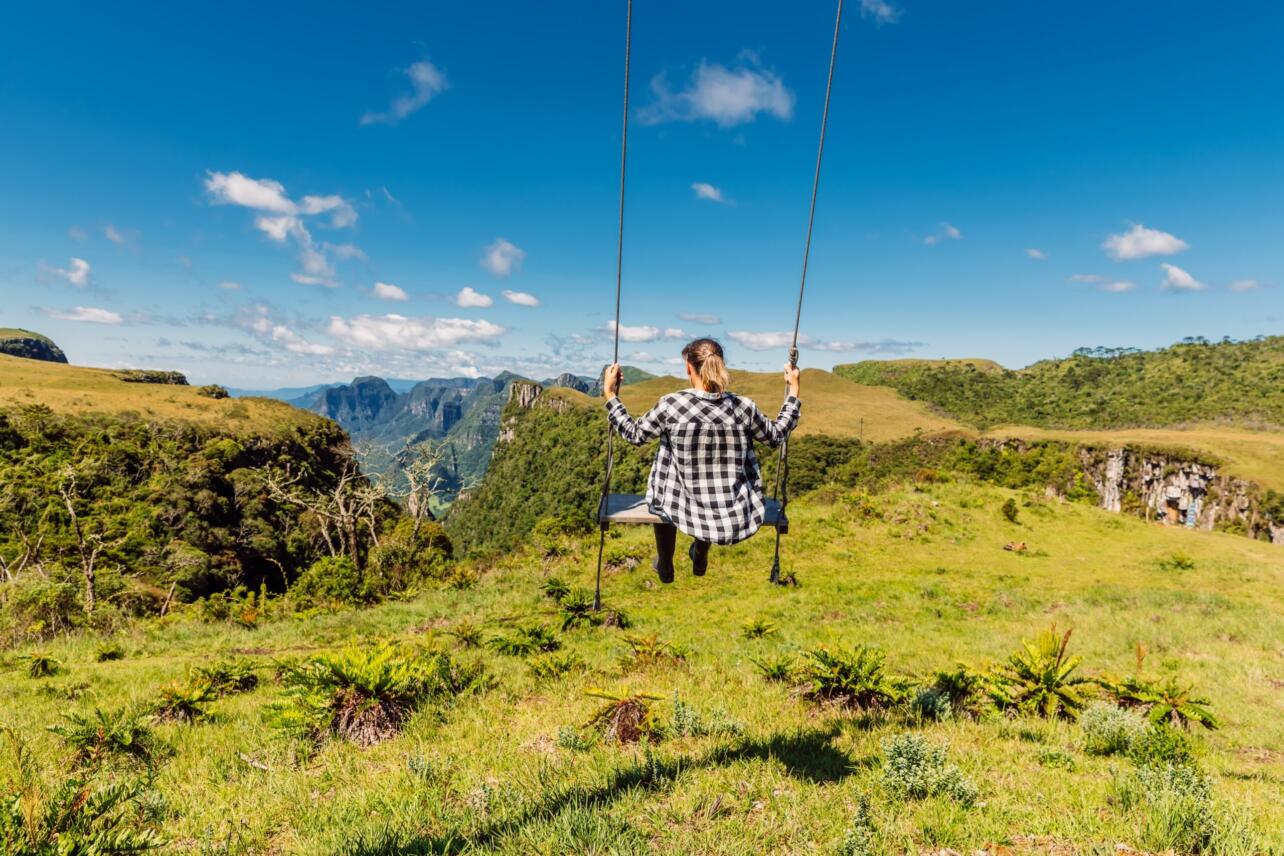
(733, 763)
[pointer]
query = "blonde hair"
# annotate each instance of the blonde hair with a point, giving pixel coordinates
(705, 356)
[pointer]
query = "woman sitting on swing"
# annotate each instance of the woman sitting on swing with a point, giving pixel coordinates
(705, 480)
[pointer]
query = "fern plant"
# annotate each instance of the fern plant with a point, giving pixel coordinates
(1165, 703)
(779, 669)
(524, 641)
(757, 628)
(108, 651)
(41, 664)
(227, 677)
(555, 588)
(853, 677)
(625, 717)
(365, 695)
(556, 665)
(1040, 678)
(109, 735)
(70, 815)
(183, 701)
(467, 634)
(577, 611)
(650, 650)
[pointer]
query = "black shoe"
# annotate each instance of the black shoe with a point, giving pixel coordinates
(699, 559)
(665, 577)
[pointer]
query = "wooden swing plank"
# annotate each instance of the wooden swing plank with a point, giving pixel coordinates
(630, 509)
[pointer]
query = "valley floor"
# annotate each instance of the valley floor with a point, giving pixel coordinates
(922, 574)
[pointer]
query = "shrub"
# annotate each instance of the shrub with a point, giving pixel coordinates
(41, 664)
(1177, 562)
(227, 677)
(1010, 511)
(757, 628)
(555, 666)
(931, 705)
(914, 768)
(212, 390)
(1165, 702)
(1176, 808)
(853, 677)
(525, 641)
(577, 611)
(1109, 729)
(625, 717)
(1050, 756)
(330, 580)
(364, 695)
(779, 669)
(1161, 746)
(107, 735)
(555, 588)
(686, 721)
(859, 840)
(962, 687)
(407, 559)
(1040, 678)
(572, 739)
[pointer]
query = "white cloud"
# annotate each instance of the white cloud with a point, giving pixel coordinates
(229, 285)
(521, 298)
(1036, 254)
(1140, 242)
(880, 10)
(76, 233)
(501, 257)
(946, 233)
(296, 344)
(421, 334)
(699, 318)
(641, 357)
(1114, 286)
(1176, 279)
(704, 190)
(388, 291)
(426, 82)
(113, 234)
(89, 314)
(75, 273)
(645, 332)
(470, 298)
(282, 220)
(769, 341)
(1242, 285)
(727, 97)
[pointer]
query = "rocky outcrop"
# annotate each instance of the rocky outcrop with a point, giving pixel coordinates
(30, 346)
(1177, 490)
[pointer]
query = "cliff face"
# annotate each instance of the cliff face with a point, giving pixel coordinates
(30, 346)
(1178, 491)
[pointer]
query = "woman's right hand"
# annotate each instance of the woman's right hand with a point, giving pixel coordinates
(611, 380)
(791, 377)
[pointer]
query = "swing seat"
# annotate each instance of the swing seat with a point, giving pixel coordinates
(628, 509)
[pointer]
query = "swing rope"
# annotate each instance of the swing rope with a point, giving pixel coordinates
(782, 468)
(619, 278)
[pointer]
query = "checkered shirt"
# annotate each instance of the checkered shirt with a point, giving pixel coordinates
(706, 479)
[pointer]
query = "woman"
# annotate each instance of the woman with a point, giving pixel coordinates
(705, 480)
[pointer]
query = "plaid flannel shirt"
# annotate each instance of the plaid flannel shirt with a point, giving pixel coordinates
(706, 479)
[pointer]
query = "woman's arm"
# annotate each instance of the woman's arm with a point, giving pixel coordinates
(773, 433)
(636, 431)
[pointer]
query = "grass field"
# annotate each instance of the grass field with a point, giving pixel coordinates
(919, 573)
(76, 389)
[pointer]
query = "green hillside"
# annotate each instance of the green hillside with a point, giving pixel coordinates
(28, 345)
(1192, 382)
(737, 764)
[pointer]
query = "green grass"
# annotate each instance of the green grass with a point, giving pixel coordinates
(513, 770)
(78, 390)
(19, 333)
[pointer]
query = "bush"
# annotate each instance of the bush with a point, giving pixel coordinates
(757, 628)
(931, 705)
(227, 677)
(183, 701)
(779, 669)
(913, 768)
(650, 650)
(555, 666)
(1040, 678)
(1154, 746)
(1109, 729)
(1165, 702)
(41, 664)
(467, 634)
(853, 677)
(330, 580)
(365, 695)
(1010, 511)
(109, 735)
(109, 651)
(525, 641)
(212, 390)
(407, 559)
(625, 717)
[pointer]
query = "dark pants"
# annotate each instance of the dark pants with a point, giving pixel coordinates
(666, 542)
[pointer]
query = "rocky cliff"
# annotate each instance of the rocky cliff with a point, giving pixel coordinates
(30, 346)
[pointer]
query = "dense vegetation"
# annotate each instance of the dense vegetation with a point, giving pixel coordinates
(1194, 381)
(104, 517)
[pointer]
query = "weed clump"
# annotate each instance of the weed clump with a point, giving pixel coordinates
(227, 677)
(1109, 729)
(852, 677)
(41, 664)
(106, 736)
(551, 667)
(183, 701)
(778, 669)
(524, 641)
(650, 650)
(914, 769)
(108, 652)
(757, 628)
(1040, 678)
(1165, 702)
(625, 717)
(859, 840)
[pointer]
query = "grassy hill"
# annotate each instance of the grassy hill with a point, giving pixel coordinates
(78, 390)
(742, 765)
(28, 345)
(1188, 383)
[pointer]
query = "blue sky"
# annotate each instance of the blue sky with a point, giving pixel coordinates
(263, 196)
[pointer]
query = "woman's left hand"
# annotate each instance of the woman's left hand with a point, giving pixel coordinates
(791, 377)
